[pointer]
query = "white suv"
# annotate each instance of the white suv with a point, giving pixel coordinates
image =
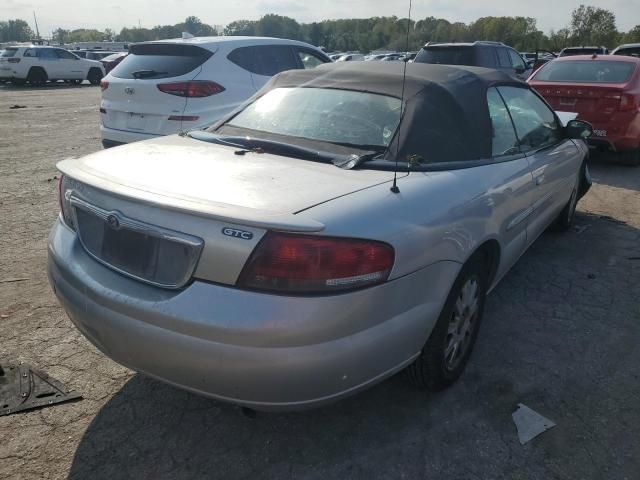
(37, 64)
(169, 86)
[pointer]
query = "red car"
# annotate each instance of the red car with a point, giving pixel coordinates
(604, 91)
(111, 61)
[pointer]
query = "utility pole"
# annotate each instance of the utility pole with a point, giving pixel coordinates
(36, 22)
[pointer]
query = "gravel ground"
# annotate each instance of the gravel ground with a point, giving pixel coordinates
(560, 335)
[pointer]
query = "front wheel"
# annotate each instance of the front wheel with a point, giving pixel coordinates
(444, 356)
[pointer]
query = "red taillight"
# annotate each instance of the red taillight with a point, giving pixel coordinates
(104, 85)
(293, 263)
(628, 102)
(14, 60)
(195, 88)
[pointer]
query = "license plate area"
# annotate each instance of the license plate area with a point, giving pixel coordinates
(135, 121)
(146, 252)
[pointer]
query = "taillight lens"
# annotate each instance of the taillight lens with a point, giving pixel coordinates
(294, 263)
(65, 206)
(104, 85)
(14, 60)
(628, 102)
(195, 88)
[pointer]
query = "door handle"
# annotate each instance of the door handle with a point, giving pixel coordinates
(539, 179)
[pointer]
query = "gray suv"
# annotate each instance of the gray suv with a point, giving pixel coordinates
(477, 54)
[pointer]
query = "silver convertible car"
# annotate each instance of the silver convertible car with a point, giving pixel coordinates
(345, 224)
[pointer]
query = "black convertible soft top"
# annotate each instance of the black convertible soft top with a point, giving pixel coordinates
(446, 117)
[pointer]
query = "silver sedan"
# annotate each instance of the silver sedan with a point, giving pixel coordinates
(345, 224)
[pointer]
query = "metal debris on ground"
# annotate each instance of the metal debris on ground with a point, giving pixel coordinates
(529, 423)
(22, 387)
(15, 107)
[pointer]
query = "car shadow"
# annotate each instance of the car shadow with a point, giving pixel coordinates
(606, 170)
(48, 86)
(551, 328)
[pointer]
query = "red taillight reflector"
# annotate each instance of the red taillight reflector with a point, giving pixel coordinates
(294, 263)
(628, 102)
(14, 60)
(184, 118)
(104, 85)
(195, 88)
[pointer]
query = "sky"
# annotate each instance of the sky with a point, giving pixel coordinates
(115, 14)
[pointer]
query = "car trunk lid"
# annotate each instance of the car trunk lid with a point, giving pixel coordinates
(181, 190)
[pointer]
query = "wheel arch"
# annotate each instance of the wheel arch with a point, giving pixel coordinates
(490, 252)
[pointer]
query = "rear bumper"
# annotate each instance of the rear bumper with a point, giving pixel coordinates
(266, 352)
(112, 137)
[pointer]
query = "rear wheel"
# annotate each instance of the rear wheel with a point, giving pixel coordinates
(37, 77)
(94, 76)
(447, 350)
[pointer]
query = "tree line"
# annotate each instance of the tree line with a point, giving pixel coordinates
(588, 26)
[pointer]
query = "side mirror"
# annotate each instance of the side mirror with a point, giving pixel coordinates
(578, 129)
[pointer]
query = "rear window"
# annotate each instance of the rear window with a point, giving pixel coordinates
(9, 52)
(160, 61)
(586, 71)
(446, 55)
(343, 117)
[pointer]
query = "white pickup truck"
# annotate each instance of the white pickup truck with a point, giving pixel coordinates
(39, 64)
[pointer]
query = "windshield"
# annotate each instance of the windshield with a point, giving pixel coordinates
(336, 116)
(586, 71)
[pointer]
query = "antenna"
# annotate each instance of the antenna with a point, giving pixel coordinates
(36, 22)
(394, 187)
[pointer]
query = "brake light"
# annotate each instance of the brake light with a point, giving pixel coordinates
(14, 60)
(284, 262)
(195, 88)
(628, 102)
(104, 85)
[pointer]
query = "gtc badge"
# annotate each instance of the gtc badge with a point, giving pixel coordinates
(235, 233)
(129, 90)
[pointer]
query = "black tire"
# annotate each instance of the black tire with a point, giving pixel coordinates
(630, 158)
(435, 369)
(564, 221)
(94, 76)
(37, 77)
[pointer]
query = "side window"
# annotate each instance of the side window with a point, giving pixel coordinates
(47, 53)
(63, 54)
(503, 58)
(265, 60)
(29, 52)
(309, 59)
(516, 60)
(535, 123)
(504, 140)
(486, 57)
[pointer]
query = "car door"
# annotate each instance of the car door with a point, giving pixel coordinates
(71, 67)
(514, 181)
(48, 60)
(554, 159)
